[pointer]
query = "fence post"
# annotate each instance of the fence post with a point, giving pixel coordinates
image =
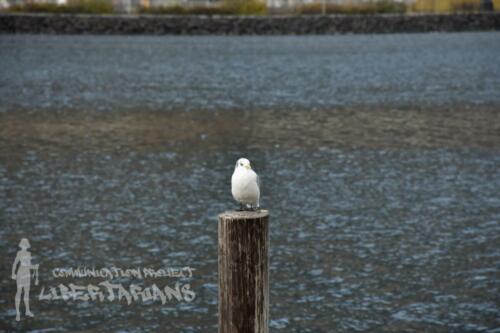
(244, 272)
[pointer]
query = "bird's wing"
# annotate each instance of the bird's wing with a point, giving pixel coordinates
(258, 181)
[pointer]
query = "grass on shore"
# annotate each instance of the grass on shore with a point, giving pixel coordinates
(228, 7)
(73, 7)
(366, 8)
(259, 7)
(453, 6)
(181, 10)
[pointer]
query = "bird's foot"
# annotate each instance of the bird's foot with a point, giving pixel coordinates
(247, 208)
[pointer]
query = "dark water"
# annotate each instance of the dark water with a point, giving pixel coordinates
(96, 73)
(379, 158)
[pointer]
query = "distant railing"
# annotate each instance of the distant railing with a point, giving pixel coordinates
(380, 6)
(252, 7)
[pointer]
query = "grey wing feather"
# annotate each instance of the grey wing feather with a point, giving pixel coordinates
(258, 181)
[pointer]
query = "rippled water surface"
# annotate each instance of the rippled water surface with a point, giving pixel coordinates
(379, 158)
(102, 73)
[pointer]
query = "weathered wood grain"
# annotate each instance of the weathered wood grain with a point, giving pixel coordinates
(244, 272)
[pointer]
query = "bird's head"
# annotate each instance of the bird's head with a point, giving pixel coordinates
(243, 163)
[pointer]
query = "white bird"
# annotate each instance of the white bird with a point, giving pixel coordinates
(245, 185)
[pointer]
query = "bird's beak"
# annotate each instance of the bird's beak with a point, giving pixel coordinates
(248, 166)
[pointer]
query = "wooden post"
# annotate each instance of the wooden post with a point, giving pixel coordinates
(244, 272)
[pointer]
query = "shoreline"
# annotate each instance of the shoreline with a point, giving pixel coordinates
(34, 23)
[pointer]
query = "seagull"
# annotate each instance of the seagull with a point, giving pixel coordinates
(245, 185)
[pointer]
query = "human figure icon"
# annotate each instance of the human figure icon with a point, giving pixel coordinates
(23, 277)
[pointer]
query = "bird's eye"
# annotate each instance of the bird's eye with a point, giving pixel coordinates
(241, 164)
